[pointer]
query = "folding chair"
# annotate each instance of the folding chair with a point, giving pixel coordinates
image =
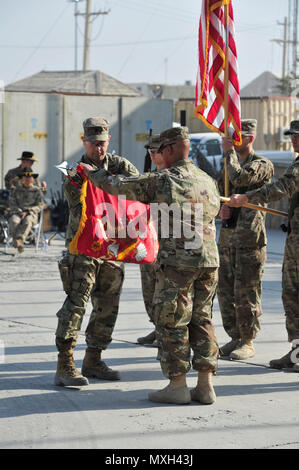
(39, 237)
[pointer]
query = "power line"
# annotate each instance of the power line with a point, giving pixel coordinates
(113, 44)
(41, 41)
(149, 9)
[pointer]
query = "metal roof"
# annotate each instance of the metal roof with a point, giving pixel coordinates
(91, 82)
(264, 85)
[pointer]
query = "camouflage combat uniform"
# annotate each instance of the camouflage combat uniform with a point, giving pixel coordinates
(12, 179)
(287, 186)
(148, 271)
(24, 199)
(86, 277)
(186, 277)
(148, 282)
(242, 249)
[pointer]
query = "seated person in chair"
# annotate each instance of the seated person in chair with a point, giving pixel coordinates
(25, 204)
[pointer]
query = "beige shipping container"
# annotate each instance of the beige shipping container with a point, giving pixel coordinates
(273, 115)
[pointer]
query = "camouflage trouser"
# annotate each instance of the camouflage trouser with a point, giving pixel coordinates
(240, 289)
(101, 281)
(183, 317)
(20, 228)
(290, 285)
(148, 282)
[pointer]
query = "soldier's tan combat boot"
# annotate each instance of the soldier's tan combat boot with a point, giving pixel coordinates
(227, 348)
(245, 350)
(148, 339)
(93, 366)
(285, 362)
(67, 375)
(176, 392)
(18, 244)
(204, 390)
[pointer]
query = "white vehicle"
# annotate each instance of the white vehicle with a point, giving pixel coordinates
(280, 157)
(206, 152)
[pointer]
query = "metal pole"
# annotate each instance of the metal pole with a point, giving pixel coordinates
(284, 53)
(295, 41)
(87, 36)
(76, 36)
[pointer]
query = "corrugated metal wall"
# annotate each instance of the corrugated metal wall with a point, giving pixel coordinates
(273, 115)
(50, 125)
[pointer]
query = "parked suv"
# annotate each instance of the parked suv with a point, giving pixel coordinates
(206, 152)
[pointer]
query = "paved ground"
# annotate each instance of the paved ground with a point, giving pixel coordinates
(256, 407)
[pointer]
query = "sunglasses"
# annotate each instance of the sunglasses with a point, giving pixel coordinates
(163, 147)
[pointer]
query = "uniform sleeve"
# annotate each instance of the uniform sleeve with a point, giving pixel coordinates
(136, 188)
(72, 189)
(122, 166)
(13, 202)
(255, 172)
(7, 180)
(38, 203)
(285, 186)
(11, 180)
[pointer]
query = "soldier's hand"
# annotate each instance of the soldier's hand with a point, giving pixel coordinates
(224, 212)
(44, 185)
(237, 200)
(86, 168)
(227, 144)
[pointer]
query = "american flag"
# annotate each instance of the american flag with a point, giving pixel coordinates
(214, 40)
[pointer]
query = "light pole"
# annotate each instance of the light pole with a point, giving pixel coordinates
(76, 12)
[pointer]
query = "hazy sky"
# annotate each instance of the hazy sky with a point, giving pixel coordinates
(152, 41)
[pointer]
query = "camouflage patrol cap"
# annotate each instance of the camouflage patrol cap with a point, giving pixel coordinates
(96, 128)
(28, 156)
(27, 172)
(153, 142)
(248, 127)
(294, 128)
(173, 135)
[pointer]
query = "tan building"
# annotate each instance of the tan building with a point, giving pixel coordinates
(260, 99)
(273, 114)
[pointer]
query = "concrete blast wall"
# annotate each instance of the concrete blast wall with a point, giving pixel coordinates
(50, 125)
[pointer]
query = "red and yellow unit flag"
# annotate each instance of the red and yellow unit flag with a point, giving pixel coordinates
(114, 228)
(217, 100)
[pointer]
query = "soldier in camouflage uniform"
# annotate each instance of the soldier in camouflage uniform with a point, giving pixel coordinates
(188, 272)
(148, 271)
(286, 186)
(25, 204)
(242, 247)
(11, 178)
(85, 277)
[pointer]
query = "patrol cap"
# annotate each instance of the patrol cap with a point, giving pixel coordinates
(27, 172)
(248, 127)
(173, 135)
(28, 156)
(96, 128)
(294, 128)
(154, 142)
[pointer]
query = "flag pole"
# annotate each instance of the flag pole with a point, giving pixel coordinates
(258, 208)
(226, 70)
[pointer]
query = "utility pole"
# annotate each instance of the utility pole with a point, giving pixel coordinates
(285, 41)
(88, 14)
(87, 36)
(295, 36)
(75, 2)
(290, 44)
